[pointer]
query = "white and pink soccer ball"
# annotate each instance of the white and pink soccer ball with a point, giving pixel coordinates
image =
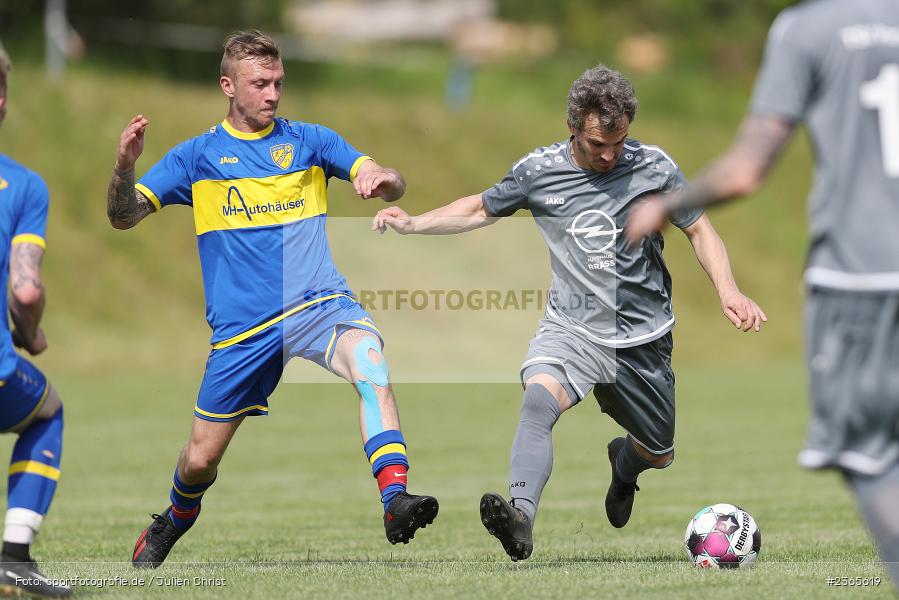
(722, 536)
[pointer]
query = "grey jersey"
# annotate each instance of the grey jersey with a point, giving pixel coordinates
(601, 289)
(834, 64)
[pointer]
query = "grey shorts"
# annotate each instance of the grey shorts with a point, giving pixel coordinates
(634, 386)
(852, 343)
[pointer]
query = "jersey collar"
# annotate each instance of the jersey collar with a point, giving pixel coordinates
(243, 135)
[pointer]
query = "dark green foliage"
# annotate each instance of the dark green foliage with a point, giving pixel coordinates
(695, 26)
(222, 13)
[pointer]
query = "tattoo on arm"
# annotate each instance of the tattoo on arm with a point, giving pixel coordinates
(25, 267)
(698, 195)
(743, 167)
(761, 139)
(26, 298)
(126, 206)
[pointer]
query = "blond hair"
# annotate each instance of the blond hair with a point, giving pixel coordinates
(252, 44)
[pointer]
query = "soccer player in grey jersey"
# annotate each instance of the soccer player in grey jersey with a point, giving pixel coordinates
(607, 324)
(834, 65)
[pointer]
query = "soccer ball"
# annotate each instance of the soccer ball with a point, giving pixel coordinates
(722, 536)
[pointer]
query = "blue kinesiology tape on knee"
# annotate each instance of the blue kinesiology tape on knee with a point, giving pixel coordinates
(372, 374)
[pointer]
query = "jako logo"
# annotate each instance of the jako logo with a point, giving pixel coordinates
(229, 160)
(594, 231)
(517, 484)
(555, 200)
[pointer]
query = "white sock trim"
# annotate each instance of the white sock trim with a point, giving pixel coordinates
(21, 525)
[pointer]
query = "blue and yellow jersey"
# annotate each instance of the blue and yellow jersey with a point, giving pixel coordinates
(24, 202)
(260, 203)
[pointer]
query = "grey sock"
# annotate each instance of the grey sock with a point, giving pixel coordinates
(878, 499)
(629, 464)
(532, 450)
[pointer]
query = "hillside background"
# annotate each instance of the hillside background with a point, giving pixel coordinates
(132, 301)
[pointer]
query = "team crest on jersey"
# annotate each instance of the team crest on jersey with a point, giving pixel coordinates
(3, 184)
(282, 154)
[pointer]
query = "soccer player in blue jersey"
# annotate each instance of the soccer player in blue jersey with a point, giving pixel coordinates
(257, 186)
(29, 405)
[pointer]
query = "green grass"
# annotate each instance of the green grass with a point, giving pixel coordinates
(295, 513)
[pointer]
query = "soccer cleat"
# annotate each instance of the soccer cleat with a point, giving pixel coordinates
(24, 578)
(507, 524)
(620, 497)
(406, 514)
(155, 543)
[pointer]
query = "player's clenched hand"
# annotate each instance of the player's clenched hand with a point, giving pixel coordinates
(37, 345)
(742, 311)
(131, 143)
(380, 183)
(645, 219)
(395, 217)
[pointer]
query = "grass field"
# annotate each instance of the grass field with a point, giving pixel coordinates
(294, 512)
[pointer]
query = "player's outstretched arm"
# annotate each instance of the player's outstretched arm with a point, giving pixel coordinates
(460, 216)
(374, 181)
(737, 173)
(740, 310)
(26, 297)
(126, 206)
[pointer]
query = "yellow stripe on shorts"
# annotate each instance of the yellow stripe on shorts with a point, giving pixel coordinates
(251, 332)
(229, 415)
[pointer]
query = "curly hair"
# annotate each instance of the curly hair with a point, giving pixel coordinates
(252, 43)
(602, 92)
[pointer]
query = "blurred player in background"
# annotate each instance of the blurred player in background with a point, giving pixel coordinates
(29, 405)
(834, 65)
(257, 186)
(609, 318)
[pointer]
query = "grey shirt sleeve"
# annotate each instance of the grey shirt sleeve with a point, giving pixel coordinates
(682, 217)
(786, 79)
(505, 198)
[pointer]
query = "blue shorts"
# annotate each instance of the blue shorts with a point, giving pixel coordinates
(239, 378)
(22, 394)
